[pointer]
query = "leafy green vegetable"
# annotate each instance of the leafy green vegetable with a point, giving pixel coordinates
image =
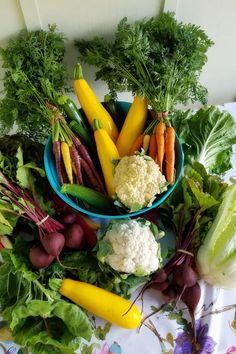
(193, 205)
(8, 218)
(34, 70)
(158, 58)
(21, 164)
(104, 249)
(90, 270)
(37, 316)
(217, 256)
(24, 176)
(33, 151)
(207, 137)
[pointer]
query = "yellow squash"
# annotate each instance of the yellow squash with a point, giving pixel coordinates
(107, 152)
(91, 105)
(102, 303)
(133, 126)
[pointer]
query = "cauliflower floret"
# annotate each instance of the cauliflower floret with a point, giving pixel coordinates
(135, 248)
(137, 180)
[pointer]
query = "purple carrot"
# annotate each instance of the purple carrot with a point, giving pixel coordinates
(84, 154)
(93, 180)
(77, 163)
(58, 158)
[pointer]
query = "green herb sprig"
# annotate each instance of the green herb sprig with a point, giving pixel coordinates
(34, 72)
(158, 58)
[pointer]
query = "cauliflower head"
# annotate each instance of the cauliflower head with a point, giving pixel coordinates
(135, 250)
(137, 180)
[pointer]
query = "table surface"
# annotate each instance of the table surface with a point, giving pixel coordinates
(165, 332)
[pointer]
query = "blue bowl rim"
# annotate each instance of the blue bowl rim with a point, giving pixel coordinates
(103, 216)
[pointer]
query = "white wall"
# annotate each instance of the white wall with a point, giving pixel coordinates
(11, 21)
(217, 18)
(86, 18)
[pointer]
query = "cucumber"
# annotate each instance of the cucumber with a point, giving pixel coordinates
(78, 122)
(97, 200)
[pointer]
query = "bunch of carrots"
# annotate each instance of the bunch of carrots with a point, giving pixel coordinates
(158, 141)
(73, 162)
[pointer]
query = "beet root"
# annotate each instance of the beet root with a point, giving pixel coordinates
(184, 275)
(53, 243)
(74, 237)
(160, 276)
(68, 218)
(159, 286)
(39, 258)
(191, 297)
(170, 293)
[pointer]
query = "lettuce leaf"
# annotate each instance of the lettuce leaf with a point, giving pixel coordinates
(207, 137)
(216, 258)
(24, 177)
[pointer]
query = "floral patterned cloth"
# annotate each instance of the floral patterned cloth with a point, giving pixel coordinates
(167, 331)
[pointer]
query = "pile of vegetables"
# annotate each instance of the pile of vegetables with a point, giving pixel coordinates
(127, 179)
(159, 60)
(56, 263)
(31, 265)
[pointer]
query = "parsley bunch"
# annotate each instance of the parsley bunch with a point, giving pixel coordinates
(158, 58)
(34, 72)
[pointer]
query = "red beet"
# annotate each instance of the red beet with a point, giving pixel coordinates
(90, 235)
(39, 258)
(68, 218)
(191, 297)
(160, 276)
(184, 275)
(53, 243)
(74, 237)
(170, 293)
(159, 286)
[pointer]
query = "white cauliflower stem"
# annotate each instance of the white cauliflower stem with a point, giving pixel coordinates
(135, 248)
(137, 180)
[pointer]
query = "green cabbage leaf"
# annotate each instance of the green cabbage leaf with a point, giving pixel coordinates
(207, 137)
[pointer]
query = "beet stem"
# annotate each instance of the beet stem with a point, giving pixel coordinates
(47, 327)
(151, 314)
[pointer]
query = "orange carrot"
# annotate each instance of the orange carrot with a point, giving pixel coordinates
(138, 143)
(170, 154)
(152, 147)
(160, 140)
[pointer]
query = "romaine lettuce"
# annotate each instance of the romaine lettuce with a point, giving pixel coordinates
(216, 258)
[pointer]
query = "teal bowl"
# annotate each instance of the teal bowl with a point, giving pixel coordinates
(50, 169)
